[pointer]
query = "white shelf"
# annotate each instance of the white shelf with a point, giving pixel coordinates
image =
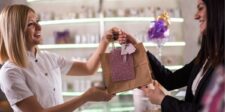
(106, 19)
(50, 1)
(69, 21)
(122, 109)
(114, 109)
(171, 67)
(71, 46)
(137, 19)
(167, 44)
(72, 94)
(32, 0)
(80, 93)
(67, 46)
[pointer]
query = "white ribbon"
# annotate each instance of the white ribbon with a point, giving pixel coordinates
(127, 49)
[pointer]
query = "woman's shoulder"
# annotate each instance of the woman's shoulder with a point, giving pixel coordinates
(49, 56)
(8, 68)
(9, 71)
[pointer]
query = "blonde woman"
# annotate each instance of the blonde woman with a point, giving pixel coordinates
(30, 78)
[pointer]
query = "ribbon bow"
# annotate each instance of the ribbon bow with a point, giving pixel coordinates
(127, 49)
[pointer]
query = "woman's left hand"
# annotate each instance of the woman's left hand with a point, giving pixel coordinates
(155, 95)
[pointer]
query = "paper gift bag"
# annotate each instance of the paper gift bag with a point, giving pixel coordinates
(141, 69)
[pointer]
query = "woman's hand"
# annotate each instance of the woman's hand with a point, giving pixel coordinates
(155, 95)
(112, 35)
(97, 94)
(120, 35)
(126, 38)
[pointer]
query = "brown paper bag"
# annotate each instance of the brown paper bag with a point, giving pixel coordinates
(141, 67)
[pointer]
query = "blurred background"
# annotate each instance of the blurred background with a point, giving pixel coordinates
(73, 28)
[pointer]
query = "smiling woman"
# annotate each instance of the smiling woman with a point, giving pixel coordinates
(201, 15)
(33, 30)
(196, 74)
(30, 78)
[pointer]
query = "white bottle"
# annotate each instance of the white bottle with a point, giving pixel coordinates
(78, 39)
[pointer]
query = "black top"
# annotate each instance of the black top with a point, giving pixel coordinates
(2, 95)
(180, 78)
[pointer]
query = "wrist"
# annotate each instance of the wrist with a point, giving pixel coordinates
(103, 46)
(134, 42)
(161, 99)
(104, 42)
(85, 97)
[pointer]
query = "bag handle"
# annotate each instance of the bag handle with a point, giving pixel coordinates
(114, 37)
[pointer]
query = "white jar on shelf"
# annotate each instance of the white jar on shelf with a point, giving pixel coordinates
(120, 12)
(77, 39)
(177, 13)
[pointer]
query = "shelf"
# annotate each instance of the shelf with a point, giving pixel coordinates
(80, 93)
(106, 19)
(122, 109)
(172, 67)
(69, 21)
(114, 109)
(32, 0)
(77, 46)
(71, 94)
(67, 46)
(49, 1)
(137, 19)
(167, 44)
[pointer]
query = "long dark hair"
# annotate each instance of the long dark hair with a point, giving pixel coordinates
(212, 46)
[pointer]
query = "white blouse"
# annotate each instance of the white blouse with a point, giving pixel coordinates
(41, 79)
(198, 78)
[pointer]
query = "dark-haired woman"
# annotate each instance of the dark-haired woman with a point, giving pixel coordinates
(196, 74)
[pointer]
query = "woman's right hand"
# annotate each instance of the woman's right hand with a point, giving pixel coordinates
(112, 35)
(154, 93)
(122, 36)
(97, 94)
(127, 38)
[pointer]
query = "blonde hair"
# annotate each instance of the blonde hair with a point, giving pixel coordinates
(13, 23)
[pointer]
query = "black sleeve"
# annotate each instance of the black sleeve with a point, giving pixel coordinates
(170, 80)
(171, 104)
(2, 95)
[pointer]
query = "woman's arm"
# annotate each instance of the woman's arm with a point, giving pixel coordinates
(168, 103)
(171, 104)
(90, 67)
(31, 104)
(170, 80)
